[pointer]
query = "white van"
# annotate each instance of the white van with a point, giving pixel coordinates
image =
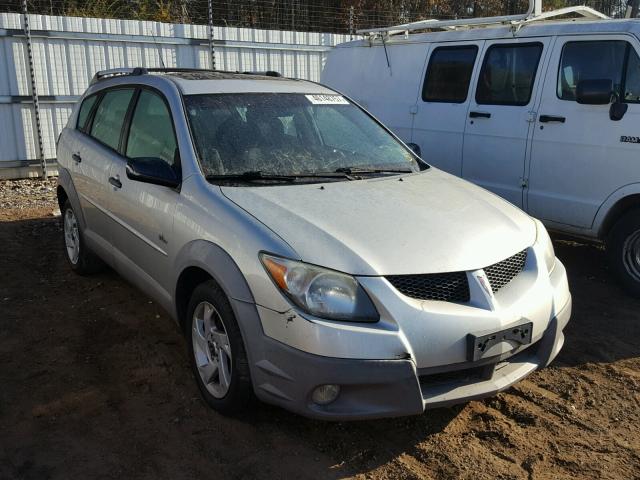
(545, 114)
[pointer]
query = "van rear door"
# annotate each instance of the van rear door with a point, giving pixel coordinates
(441, 108)
(580, 156)
(498, 122)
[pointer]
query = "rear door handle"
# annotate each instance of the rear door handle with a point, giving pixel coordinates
(479, 115)
(552, 118)
(76, 157)
(115, 182)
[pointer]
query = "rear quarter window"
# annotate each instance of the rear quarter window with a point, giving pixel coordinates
(85, 111)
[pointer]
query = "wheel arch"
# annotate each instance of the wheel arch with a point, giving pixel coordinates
(617, 211)
(66, 191)
(200, 261)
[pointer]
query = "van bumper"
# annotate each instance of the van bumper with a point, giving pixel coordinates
(287, 377)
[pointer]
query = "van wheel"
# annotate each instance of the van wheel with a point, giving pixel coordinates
(216, 350)
(82, 260)
(623, 251)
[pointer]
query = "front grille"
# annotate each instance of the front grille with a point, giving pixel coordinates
(501, 273)
(447, 287)
(454, 286)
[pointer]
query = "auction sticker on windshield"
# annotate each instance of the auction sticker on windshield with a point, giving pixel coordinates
(327, 99)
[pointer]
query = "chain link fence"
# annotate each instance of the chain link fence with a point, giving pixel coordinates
(330, 16)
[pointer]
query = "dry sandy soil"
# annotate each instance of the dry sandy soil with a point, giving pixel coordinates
(94, 383)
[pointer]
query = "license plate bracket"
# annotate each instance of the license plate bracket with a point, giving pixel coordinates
(486, 345)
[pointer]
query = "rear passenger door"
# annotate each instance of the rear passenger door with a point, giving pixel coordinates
(580, 156)
(498, 122)
(441, 109)
(96, 148)
(144, 212)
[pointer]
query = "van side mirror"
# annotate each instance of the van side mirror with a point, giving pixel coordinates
(415, 148)
(594, 92)
(152, 170)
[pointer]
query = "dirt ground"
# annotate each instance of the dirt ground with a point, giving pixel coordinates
(94, 383)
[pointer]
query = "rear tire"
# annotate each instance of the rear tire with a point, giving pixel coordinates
(81, 260)
(216, 350)
(623, 251)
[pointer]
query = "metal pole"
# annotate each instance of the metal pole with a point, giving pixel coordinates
(34, 90)
(211, 46)
(351, 29)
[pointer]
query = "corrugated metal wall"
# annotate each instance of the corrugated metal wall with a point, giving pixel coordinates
(67, 51)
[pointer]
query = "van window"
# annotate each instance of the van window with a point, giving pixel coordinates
(109, 117)
(151, 133)
(592, 60)
(508, 74)
(449, 73)
(85, 110)
(632, 80)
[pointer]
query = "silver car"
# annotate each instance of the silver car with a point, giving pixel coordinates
(312, 259)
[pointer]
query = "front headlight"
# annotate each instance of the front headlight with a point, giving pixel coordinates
(546, 245)
(319, 291)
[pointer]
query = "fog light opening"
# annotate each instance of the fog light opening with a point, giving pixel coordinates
(325, 394)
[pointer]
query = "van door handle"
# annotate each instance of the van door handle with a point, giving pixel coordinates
(76, 157)
(552, 118)
(479, 115)
(115, 182)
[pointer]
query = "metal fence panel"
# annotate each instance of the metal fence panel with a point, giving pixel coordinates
(67, 52)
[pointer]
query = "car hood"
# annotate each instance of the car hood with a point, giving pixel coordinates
(428, 222)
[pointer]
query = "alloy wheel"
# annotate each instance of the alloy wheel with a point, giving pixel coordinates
(211, 349)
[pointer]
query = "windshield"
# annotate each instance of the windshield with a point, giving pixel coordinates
(290, 134)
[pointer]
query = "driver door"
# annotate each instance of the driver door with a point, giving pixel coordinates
(579, 154)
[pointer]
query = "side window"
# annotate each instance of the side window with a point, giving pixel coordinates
(632, 80)
(449, 73)
(151, 133)
(508, 74)
(85, 110)
(614, 60)
(593, 60)
(109, 117)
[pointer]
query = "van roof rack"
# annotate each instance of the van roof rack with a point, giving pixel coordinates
(517, 21)
(119, 72)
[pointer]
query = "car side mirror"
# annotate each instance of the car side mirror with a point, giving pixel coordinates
(415, 148)
(594, 92)
(152, 170)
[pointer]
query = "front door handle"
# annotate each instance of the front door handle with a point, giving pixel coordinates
(76, 157)
(115, 182)
(479, 115)
(552, 118)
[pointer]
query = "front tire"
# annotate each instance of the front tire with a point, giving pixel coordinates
(81, 260)
(216, 350)
(623, 251)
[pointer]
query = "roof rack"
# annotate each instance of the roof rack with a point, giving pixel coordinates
(517, 21)
(118, 72)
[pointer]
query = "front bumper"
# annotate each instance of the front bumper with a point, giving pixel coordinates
(286, 376)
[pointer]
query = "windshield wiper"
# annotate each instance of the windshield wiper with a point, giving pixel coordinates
(252, 175)
(365, 170)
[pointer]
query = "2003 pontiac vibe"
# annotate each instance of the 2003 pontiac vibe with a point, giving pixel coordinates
(311, 257)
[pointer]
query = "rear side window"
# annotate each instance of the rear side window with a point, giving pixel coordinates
(449, 73)
(85, 110)
(508, 74)
(614, 60)
(109, 117)
(151, 133)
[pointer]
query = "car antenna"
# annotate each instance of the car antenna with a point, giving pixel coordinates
(386, 54)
